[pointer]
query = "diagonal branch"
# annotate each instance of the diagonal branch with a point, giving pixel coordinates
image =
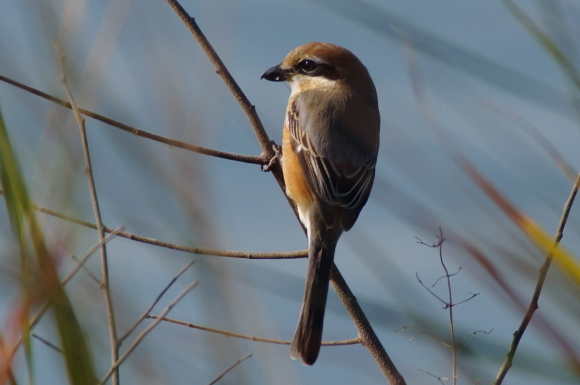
(144, 333)
(539, 285)
(268, 151)
(113, 339)
(371, 341)
(367, 336)
(220, 376)
(228, 79)
(157, 299)
(144, 134)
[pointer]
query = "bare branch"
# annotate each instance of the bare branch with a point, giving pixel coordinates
(87, 271)
(439, 378)
(473, 295)
(97, 213)
(219, 377)
(449, 304)
(422, 332)
(144, 134)
(431, 291)
(144, 315)
(140, 337)
(227, 78)
(84, 259)
(173, 246)
(443, 277)
(474, 333)
(47, 343)
(352, 341)
(366, 333)
(539, 285)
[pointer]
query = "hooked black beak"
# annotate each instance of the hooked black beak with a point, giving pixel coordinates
(276, 74)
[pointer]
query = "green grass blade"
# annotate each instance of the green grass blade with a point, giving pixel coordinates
(41, 281)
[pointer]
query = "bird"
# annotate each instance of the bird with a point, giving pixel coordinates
(329, 152)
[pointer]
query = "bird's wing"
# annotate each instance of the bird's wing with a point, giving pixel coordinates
(337, 160)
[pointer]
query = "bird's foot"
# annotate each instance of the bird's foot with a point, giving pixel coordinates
(277, 156)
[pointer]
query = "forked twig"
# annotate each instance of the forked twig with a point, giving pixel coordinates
(521, 221)
(140, 337)
(157, 299)
(448, 304)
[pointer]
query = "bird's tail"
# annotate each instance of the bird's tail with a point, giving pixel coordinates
(308, 336)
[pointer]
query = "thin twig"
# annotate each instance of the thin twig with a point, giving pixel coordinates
(140, 337)
(451, 304)
(352, 341)
(173, 246)
(429, 116)
(97, 213)
(144, 315)
(144, 134)
(47, 343)
(87, 271)
(448, 304)
(539, 285)
(474, 333)
(431, 291)
(450, 275)
(239, 361)
(84, 259)
(422, 332)
(439, 378)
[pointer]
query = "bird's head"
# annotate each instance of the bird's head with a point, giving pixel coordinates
(320, 66)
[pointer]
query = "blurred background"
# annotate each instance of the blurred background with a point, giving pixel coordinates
(450, 75)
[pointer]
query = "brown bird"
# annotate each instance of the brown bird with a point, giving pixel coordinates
(329, 151)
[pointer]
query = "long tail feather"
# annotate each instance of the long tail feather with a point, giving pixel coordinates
(308, 336)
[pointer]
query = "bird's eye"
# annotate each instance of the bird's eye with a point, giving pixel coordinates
(308, 66)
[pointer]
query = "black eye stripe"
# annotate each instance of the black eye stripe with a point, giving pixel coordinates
(310, 67)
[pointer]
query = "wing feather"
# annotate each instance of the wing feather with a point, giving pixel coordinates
(339, 176)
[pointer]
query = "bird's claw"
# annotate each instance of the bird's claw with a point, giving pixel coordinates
(277, 156)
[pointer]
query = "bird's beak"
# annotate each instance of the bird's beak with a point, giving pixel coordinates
(276, 74)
